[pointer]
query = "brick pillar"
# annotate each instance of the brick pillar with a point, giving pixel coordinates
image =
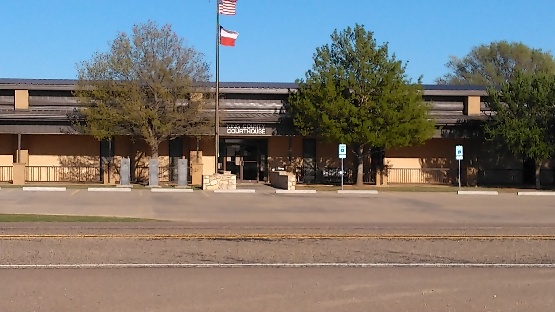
(18, 174)
(21, 100)
(472, 105)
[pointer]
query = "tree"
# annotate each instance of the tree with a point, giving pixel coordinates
(148, 86)
(497, 63)
(524, 117)
(359, 95)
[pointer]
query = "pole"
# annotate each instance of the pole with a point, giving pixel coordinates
(217, 107)
(459, 174)
(19, 148)
(342, 174)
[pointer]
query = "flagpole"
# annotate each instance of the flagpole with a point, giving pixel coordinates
(217, 107)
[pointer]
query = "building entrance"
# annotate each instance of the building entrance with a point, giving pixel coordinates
(246, 158)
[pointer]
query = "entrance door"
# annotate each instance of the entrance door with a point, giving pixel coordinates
(246, 158)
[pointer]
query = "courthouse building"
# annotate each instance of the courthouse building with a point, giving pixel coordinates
(256, 137)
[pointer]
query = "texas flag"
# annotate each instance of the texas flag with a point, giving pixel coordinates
(227, 37)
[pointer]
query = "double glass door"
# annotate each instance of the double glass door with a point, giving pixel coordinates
(246, 158)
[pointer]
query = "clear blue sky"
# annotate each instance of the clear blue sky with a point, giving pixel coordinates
(277, 38)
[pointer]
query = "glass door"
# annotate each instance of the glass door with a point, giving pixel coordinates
(232, 158)
(250, 159)
(245, 158)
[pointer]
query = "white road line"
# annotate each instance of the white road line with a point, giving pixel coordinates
(171, 190)
(274, 265)
(44, 189)
(477, 193)
(295, 191)
(536, 193)
(109, 189)
(367, 192)
(234, 191)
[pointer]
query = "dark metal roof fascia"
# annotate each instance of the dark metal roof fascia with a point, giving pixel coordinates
(456, 92)
(38, 84)
(232, 87)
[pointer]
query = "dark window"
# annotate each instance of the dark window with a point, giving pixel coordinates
(309, 161)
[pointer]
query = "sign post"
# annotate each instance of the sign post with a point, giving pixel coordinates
(459, 157)
(342, 155)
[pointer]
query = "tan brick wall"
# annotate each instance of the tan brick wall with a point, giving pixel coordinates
(435, 153)
(297, 153)
(278, 152)
(328, 155)
(7, 149)
(208, 151)
(59, 150)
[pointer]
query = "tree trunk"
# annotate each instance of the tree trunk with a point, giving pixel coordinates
(538, 171)
(360, 165)
(154, 150)
(154, 166)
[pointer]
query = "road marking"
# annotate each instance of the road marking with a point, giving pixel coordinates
(234, 191)
(295, 192)
(477, 193)
(109, 189)
(171, 190)
(44, 189)
(73, 193)
(281, 236)
(363, 192)
(536, 193)
(274, 265)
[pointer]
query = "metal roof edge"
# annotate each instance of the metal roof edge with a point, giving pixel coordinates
(233, 87)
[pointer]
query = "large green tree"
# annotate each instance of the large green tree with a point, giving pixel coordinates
(524, 117)
(356, 93)
(496, 63)
(147, 86)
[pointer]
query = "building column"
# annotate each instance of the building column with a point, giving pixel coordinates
(21, 161)
(472, 105)
(21, 100)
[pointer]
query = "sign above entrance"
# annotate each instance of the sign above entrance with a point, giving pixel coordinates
(247, 129)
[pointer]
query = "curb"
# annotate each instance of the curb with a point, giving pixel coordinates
(44, 189)
(477, 193)
(365, 192)
(235, 191)
(295, 191)
(109, 189)
(535, 193)
(171, 190)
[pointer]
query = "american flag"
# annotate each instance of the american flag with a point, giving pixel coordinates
(227, 7)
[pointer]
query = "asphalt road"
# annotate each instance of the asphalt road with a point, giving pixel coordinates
(410, 232)
(299, 289)
(271, 208)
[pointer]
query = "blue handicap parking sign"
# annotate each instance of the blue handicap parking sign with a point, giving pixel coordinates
(342, 150)
(458, 152)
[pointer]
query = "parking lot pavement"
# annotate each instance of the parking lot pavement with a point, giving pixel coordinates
(267, 207)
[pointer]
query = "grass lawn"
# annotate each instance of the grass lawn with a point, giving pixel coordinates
(58, 218)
